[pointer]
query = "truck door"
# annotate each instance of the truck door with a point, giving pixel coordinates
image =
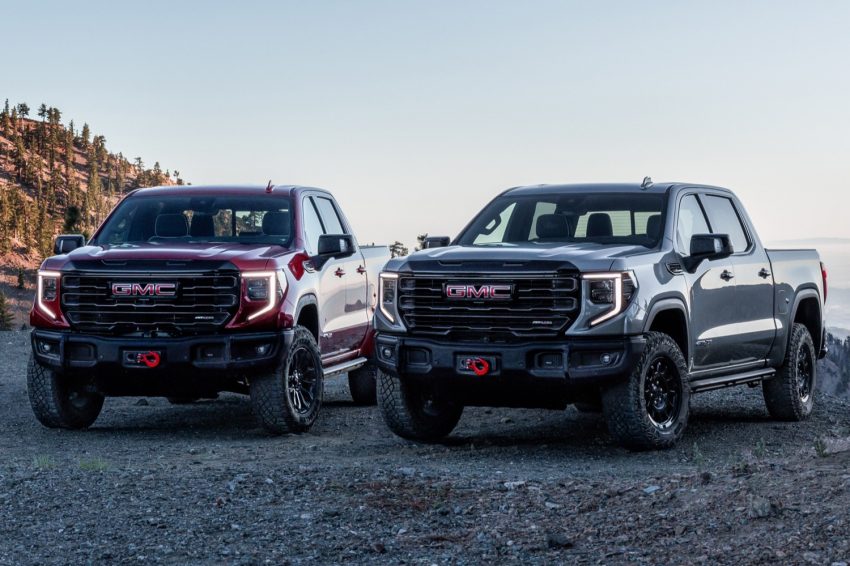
(755, 326)
(331, 297)
(712, 293)
(355, 316)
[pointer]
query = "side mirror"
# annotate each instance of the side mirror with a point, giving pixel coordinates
(65, 243)
(707, 247)
(336, 245)
(436, 242)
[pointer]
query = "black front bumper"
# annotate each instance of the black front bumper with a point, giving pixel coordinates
(197, 355)
(570, 362)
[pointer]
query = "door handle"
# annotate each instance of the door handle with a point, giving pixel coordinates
(339, 272)
(727, 275)
(361, 270)
(764, 273)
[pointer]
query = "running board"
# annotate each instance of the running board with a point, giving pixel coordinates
(345, 366)
(750, 377)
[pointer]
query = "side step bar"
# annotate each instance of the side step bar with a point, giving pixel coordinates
(350, 365)
(752, 377)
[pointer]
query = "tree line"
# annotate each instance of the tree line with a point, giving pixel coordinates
(63, 178)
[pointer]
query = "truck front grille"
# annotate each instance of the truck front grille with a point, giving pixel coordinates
(538, 305)
(117, 303)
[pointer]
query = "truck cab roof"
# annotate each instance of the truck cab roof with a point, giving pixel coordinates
(656, 188)
(228, 190)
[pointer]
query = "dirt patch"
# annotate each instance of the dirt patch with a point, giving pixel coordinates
(202, 483)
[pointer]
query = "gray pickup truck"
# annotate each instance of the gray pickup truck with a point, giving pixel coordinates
(624, 298)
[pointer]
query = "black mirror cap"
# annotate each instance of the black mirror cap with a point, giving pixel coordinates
(66, 243)
(708, 246)
(336, 245)
(436, 242)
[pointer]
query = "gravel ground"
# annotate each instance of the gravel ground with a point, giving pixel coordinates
(151, 482)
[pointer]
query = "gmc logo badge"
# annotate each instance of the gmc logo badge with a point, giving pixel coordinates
(488, 292)
(148, 289)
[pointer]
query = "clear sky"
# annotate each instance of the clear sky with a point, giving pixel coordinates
(416, 113)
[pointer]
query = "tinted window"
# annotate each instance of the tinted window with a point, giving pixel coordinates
(494, 231)
(691, 221)
(197, 219)
(330, 218)
(725, 220)
(312, 227)
(559, 218)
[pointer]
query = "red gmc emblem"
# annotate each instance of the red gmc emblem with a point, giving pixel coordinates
(490, 292)
(148, 289)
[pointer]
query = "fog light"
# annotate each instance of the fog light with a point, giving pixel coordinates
(606, 359)
(262, 349)
(387, 352)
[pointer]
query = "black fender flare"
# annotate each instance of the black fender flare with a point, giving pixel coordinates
(306, 300)
(799, 297)
(667, 304)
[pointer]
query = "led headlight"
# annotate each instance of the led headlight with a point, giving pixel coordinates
(615, 289)
(388, 295)
(47, 293)
(264, 287)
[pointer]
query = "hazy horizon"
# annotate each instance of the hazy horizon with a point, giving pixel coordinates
(417, 114)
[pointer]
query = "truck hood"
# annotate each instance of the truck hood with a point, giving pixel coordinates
(243, 256)
(583, 256)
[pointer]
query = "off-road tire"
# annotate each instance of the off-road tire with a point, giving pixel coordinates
(782, 393)
(625, 404)
(362, 383)
(58, 401)
(271, 402)
(413, 411)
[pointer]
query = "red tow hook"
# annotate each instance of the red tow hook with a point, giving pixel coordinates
(479, 366)
(150, 359)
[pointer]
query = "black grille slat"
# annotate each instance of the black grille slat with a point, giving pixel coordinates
(204, 302)
(540, 306)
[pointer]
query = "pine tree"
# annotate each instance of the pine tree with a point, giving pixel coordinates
(23, 112)
(84, 136)
(72, 220)
(21, 281)
(420, 242)
(397, 249)
(5, 314)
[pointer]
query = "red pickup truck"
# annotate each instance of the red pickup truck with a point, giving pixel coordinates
(185, 292)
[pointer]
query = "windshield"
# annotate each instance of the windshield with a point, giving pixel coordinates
(204, 219)
(559, 218)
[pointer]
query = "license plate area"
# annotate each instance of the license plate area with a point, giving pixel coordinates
(476, 364)
(147, 359)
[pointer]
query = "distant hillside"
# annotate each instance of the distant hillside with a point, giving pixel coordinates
(55, 177)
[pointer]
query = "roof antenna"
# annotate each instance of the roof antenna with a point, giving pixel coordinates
(647, 182)
(270, 187)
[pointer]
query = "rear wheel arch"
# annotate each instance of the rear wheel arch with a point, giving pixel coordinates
(807, 311)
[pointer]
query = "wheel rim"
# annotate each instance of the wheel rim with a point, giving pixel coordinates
(662, 393)
(302, 380)
(805, 373)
